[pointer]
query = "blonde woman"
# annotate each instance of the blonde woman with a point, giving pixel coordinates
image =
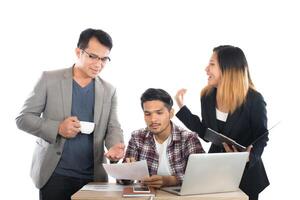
(232, 106)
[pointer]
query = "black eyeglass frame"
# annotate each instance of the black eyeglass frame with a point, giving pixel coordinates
(94, 57)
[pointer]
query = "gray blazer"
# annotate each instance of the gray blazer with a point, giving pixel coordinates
(49, 104)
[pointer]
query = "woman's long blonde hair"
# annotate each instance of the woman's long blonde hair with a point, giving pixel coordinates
(235, 78)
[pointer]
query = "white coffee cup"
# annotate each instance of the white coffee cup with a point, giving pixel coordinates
(86, 127)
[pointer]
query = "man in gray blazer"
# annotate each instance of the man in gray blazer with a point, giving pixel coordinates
(65, 159)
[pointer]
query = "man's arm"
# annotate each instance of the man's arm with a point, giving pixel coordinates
(132, 152)
(192, 145)
(29, 119)
(114, 133)
(114, 140)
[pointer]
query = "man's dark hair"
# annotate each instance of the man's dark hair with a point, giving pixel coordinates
(153, 94)
(85, 36)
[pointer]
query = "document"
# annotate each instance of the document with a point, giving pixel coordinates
(103, 187)
(132, 171)
(218, 138)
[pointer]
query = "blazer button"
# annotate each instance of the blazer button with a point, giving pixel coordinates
(58, 153)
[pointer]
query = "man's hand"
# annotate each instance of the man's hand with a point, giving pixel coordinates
(69, 128)
(129, 160)
(116, 152)
(154, 181)
(126, 181)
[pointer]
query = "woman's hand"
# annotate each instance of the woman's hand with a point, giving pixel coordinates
(179, 97)
(233, 149)
(229, 148)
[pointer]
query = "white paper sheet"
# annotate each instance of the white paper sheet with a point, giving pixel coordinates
(103, 187)
(133, 171)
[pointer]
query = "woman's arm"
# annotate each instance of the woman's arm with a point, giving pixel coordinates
(258, 125)
(191, 121)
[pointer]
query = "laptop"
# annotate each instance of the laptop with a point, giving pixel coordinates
(211, 173)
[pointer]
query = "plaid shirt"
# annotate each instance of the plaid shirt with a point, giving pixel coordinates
(141, 146)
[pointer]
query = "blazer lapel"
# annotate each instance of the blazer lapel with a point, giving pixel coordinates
(99, 94)
(66, 85)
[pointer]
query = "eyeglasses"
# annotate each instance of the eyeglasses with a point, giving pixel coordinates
(96, 58)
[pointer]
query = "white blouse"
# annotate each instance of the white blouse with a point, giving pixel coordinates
(222, 116)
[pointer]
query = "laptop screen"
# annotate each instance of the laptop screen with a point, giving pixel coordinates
(213, 172)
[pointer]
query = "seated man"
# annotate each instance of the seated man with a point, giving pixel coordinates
(164, 145)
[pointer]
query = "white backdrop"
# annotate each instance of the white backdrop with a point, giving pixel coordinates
(157, 43)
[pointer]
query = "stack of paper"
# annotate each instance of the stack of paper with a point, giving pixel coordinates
(132, 171)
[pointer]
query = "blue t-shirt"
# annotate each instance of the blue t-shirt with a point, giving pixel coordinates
(77, 158)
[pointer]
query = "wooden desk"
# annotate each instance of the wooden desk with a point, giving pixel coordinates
(160, 195)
